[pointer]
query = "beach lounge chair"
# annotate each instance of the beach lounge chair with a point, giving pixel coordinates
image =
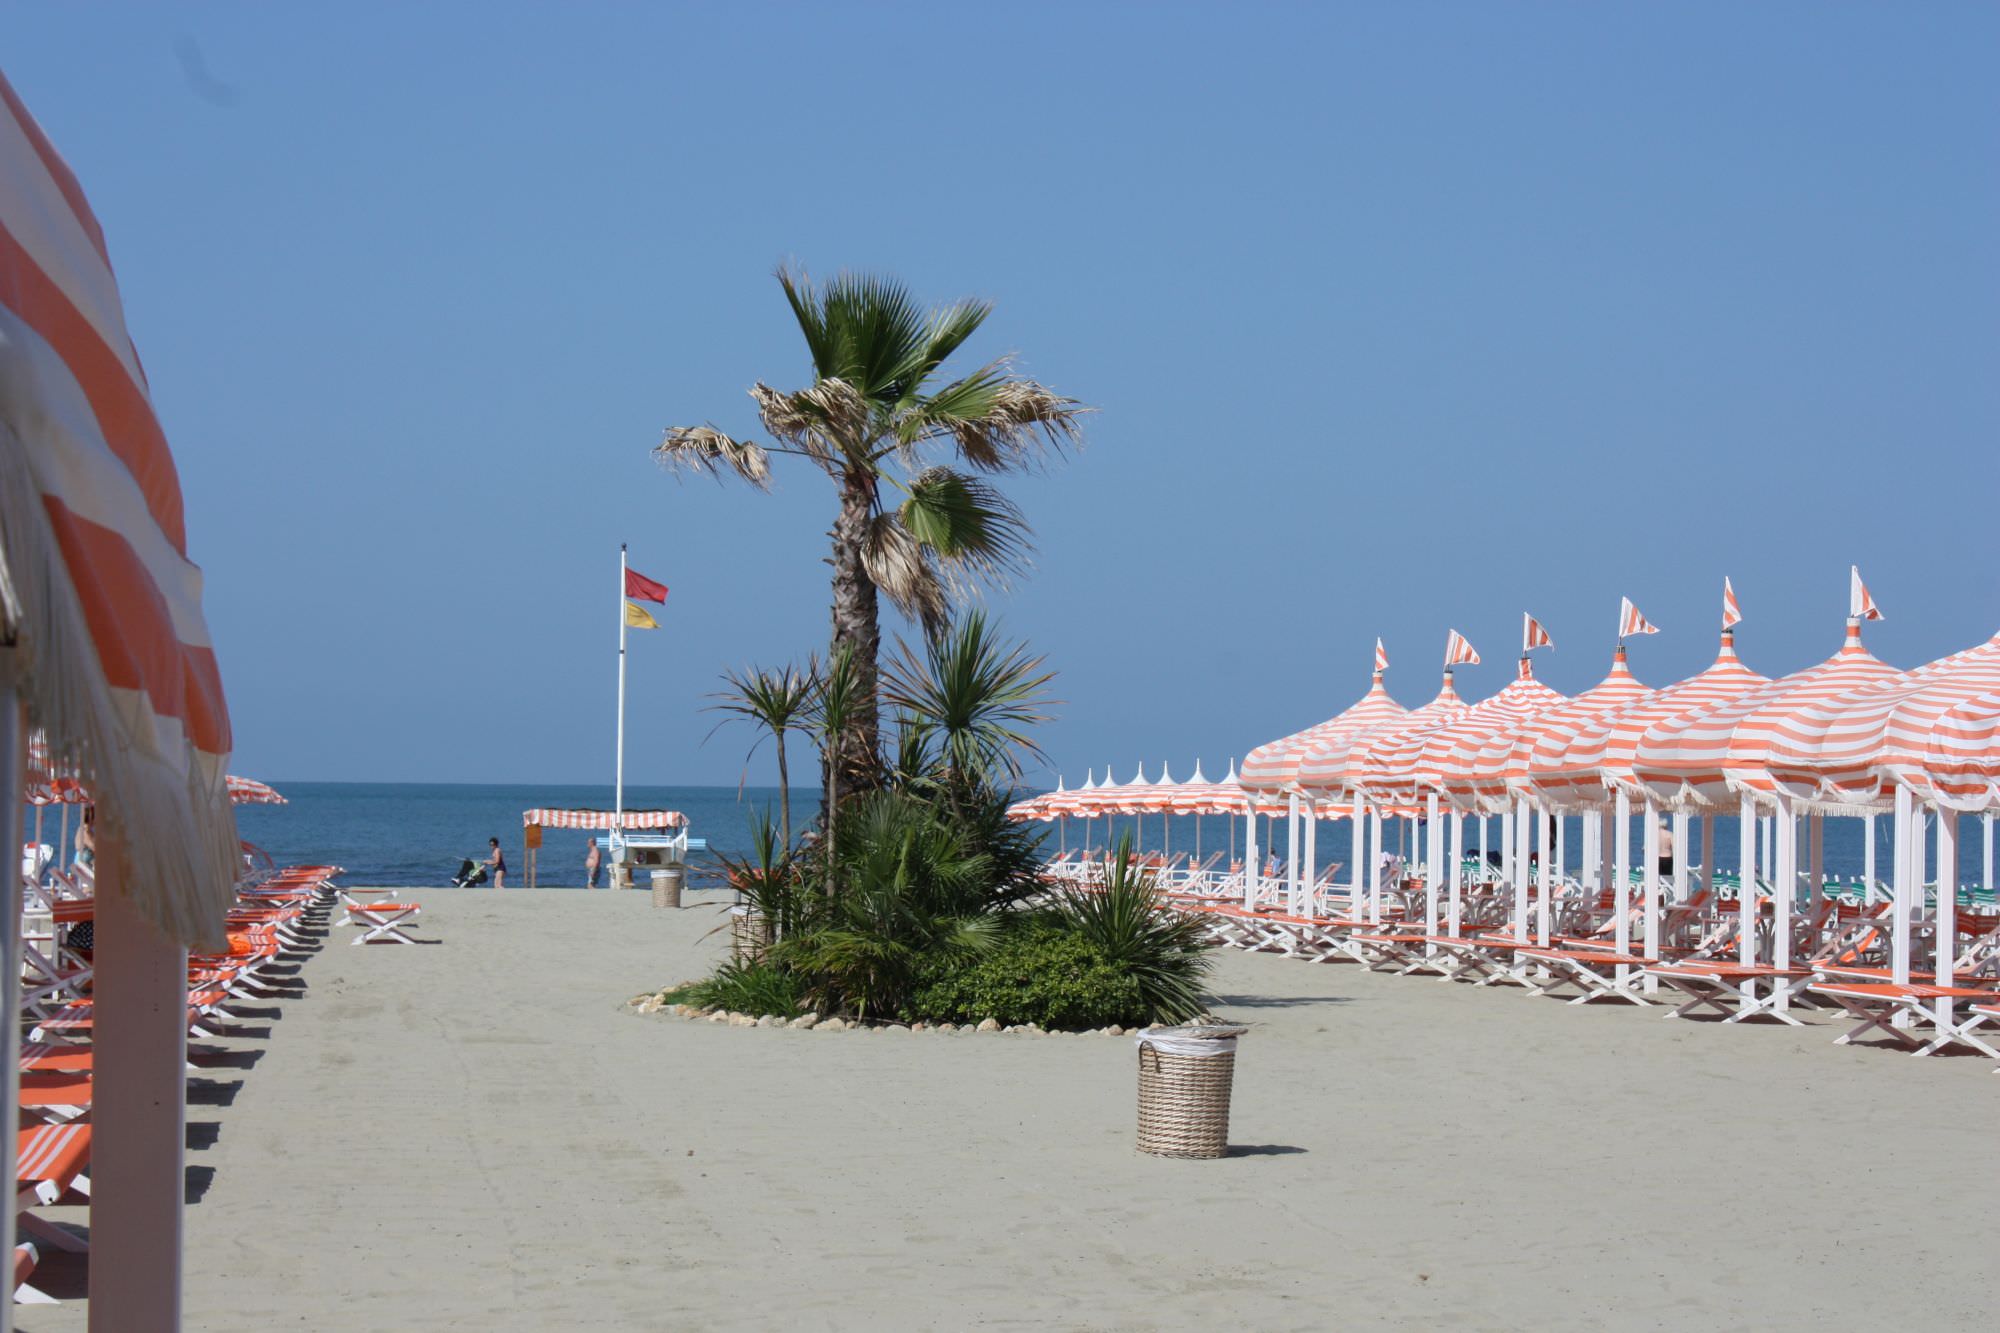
(49, 1164)
(1877, 1005)
(383, 923)
(26, 1258)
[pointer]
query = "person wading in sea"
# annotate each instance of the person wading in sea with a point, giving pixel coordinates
(593, 861)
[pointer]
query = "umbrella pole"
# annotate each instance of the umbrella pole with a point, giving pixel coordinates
(13, 781)
(1945, 923)
(1250, 867)
(1868, 856)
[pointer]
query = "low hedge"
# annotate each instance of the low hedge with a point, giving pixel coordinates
(1042, 974)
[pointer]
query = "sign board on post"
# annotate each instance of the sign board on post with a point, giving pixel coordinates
(532, 836)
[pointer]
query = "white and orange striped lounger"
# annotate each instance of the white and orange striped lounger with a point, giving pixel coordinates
(1877, 1004)
(50, 1163)
(1593, 973)
(55, 1097)
(382, 923)
(26, 1256)
(81, 1016)
(1729, 988)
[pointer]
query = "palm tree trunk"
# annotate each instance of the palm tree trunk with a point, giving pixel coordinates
(784, 792)
(857, 626)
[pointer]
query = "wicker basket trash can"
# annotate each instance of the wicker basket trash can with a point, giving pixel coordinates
(667, 886)
(749, 934)
(1185, 1076)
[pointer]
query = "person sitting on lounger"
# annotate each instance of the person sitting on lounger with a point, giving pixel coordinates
(496, 863)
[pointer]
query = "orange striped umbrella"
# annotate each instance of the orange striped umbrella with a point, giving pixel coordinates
(1598, 760)
(1274, 766)
(1848, 753)
(1961, 765)
(1710, 756)
(1334, 763)
(1500, 772)
(1447, 762)
(115, 658)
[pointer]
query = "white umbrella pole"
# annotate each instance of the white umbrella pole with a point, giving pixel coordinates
(1484, 862)
(1680, 875)
(1433, 867)
(1545, 882)
(1516, 857)
(1457, 873)
(1746, 894)
(1292, 853)
(1357, 817)
(1986, 874)
(1868, 859)
(1785, 870)
(1312, 858)
(1945, 924)
(13, 780)
(1908, 871)
(1251, 870)
(1621, 871)
(1375, 880)
(1708, 856)
(1560, 866)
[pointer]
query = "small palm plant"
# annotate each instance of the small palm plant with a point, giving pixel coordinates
(778, 701)
(1164, 951)
(973, 698)
(835, 704)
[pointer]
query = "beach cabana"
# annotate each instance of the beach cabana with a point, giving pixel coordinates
(1714, 759)
(1279, 775)
(629, 821)
(105, 650)
(1337, 766)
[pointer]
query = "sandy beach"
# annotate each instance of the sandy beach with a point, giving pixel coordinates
(479, 1134)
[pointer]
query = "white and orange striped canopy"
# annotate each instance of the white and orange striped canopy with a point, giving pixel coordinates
(1847, 754)
(249, 791)
(1274, 766)
(1961, 765)
(603, 819)
(1709, 757)
(1500, 771)
(1597, 760)
(115, 655)
(1339, 763)
(1446, 763)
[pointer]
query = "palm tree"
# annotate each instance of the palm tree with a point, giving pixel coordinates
(777, 701)
(876, 419)
(831, 716)
(974, 697)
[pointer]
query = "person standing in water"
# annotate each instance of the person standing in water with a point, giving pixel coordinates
(593, 861)
(496, 863)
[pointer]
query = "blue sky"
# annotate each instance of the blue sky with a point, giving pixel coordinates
(1399, 318)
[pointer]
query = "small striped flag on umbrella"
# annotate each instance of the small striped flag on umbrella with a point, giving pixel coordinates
(1381, 656)
(1631, 622)
(1859, 604)
(1533, 635)
(1457, 650)
(1732, 614)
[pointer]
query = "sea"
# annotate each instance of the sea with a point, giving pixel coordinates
(417, 834)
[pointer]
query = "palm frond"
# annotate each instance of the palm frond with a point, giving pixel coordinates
(975, 530)
(976, 695)
(898, 565)
(706, 449)
(827, 420)
(1001, 422)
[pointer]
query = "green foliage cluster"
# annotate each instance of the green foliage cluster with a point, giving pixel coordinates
(921, 899)
(1042, 974)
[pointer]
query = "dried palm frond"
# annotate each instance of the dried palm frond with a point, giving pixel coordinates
(899, 566)
(706, 449)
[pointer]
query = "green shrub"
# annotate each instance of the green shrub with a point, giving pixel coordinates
(1162, 952)
(746, 988)
(1042, 974)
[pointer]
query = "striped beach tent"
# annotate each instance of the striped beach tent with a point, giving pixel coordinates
(1710, 757)
(603, 819)
(1389, 766)
(1961, 764)
(249, 791)
(1334, 764)
(1597, 760)
(1500, 771)
(1847, 754)
(1274, 766)
(113, 654)
(1447, 761)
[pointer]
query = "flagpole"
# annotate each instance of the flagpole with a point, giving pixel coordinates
(618, 796)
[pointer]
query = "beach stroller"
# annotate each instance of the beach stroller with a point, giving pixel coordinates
(470, 874)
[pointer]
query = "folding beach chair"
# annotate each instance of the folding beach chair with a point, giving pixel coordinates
(383, 923)
(50, 1162)
(26, 1258)
(1595, 974)
(1878, 1004)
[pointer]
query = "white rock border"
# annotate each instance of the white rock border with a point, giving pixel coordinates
(651, 1003)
